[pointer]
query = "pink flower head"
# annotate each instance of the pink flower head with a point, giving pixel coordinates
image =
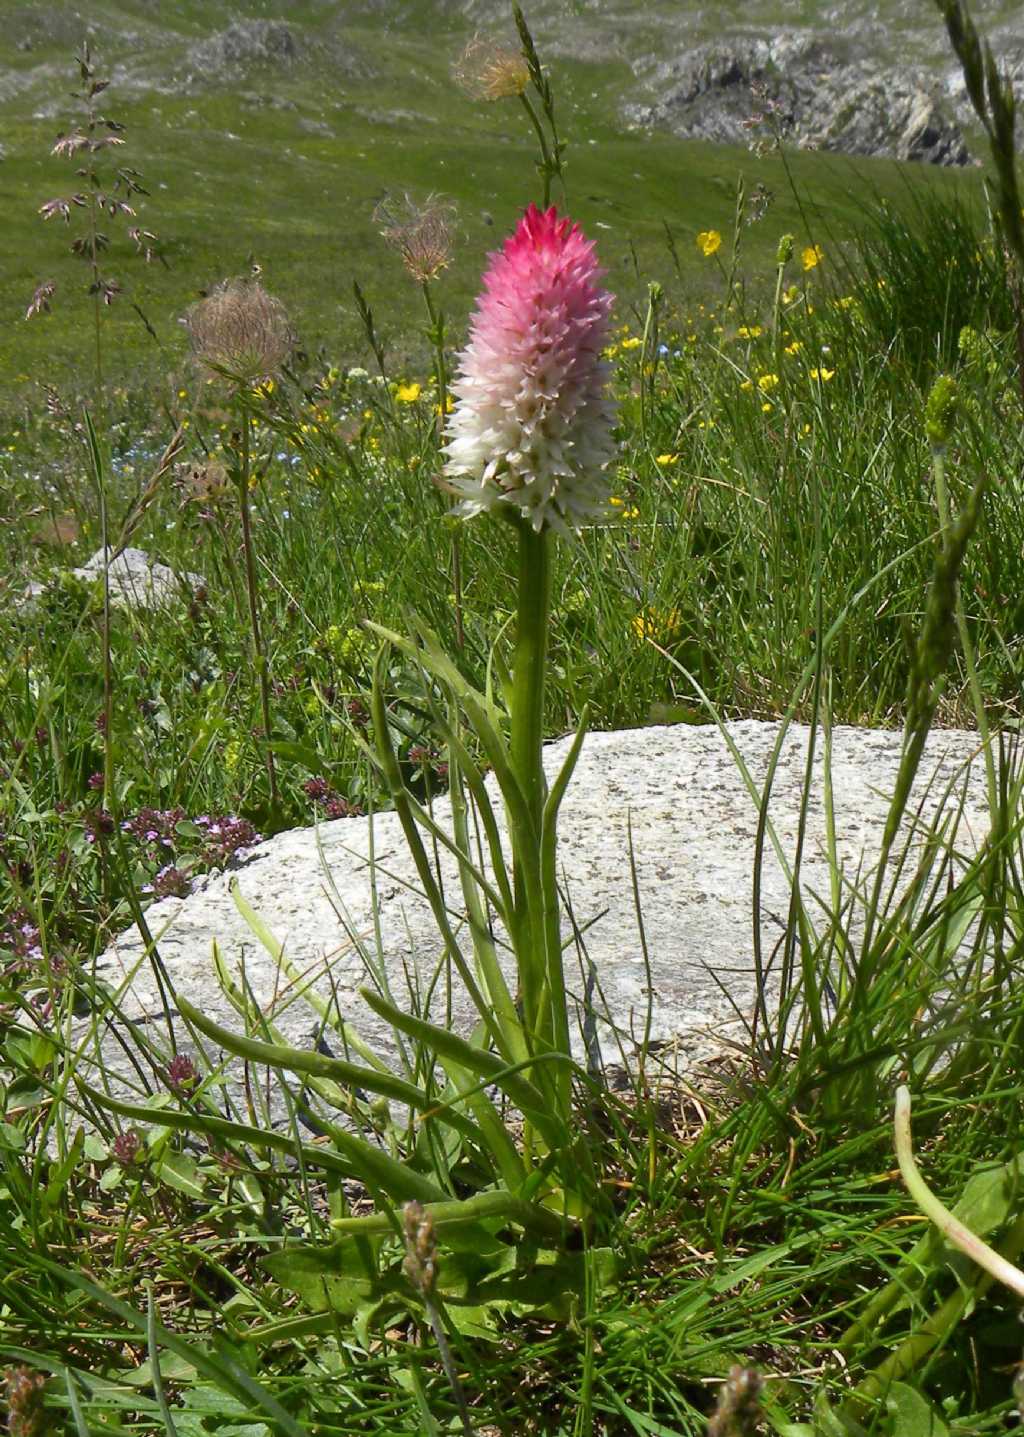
(532, 423)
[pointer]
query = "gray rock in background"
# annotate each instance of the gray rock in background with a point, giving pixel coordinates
(676, 791)
(813, 92)
(138, 581)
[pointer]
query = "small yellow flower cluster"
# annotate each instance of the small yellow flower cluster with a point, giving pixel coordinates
(749, 331)
(709, 242)
(823, 375)
(812, 256)
(660, 625)
(408, 393)
(348, 646)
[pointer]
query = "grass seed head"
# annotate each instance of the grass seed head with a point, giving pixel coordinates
(940, 411)
(420, 1247)
(489, 70)
(23, 1390)
(241, 331)
(739, 1405)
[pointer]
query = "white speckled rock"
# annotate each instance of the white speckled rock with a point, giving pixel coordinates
(693, 823)
(138, 581)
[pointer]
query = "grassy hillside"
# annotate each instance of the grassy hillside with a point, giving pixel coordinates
(285, 157)
(803, 521)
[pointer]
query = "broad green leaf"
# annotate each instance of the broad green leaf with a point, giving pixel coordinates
(181, 1173)
(60, 1172)
(12, 1138)
(322, 1285)
(914, 1415)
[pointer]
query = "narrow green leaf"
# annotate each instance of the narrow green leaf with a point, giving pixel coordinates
(154, 1363)
(351, 1036)
(339, 1070)
(485, 1064)
(232, 1378)
(74, 1404)
(354, 1156)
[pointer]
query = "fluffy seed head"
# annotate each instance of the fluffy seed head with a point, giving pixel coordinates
(240, 330)
(532, 421)
(488, 70)
(421, 234)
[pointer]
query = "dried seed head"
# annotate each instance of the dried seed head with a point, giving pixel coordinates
(488, 70)
(739, 1405)
(420, 1247)
(23, 1390)
(40, 301)
(421, 234)
(241, 331)
(207, 484)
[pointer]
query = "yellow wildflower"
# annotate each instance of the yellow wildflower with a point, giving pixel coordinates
(749, 331)
(408, 393)
(632, 343)
(824, 375)
(709, 242)
(795, 347)
(661, 625)
(665, 459)
(767, 382)
(812, 256)
(790, 295)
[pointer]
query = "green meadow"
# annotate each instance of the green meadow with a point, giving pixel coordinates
(815, 515)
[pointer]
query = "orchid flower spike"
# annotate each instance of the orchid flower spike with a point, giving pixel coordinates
(532, 421)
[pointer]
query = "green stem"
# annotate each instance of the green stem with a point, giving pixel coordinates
(534, 606)
(436, 337)
(952, 1229)
(945, 519)
(259, 657)
(547, 165)
(435, 334)
(527, 737)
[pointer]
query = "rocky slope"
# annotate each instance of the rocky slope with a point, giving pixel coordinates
(865, 77)
(812, 92)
